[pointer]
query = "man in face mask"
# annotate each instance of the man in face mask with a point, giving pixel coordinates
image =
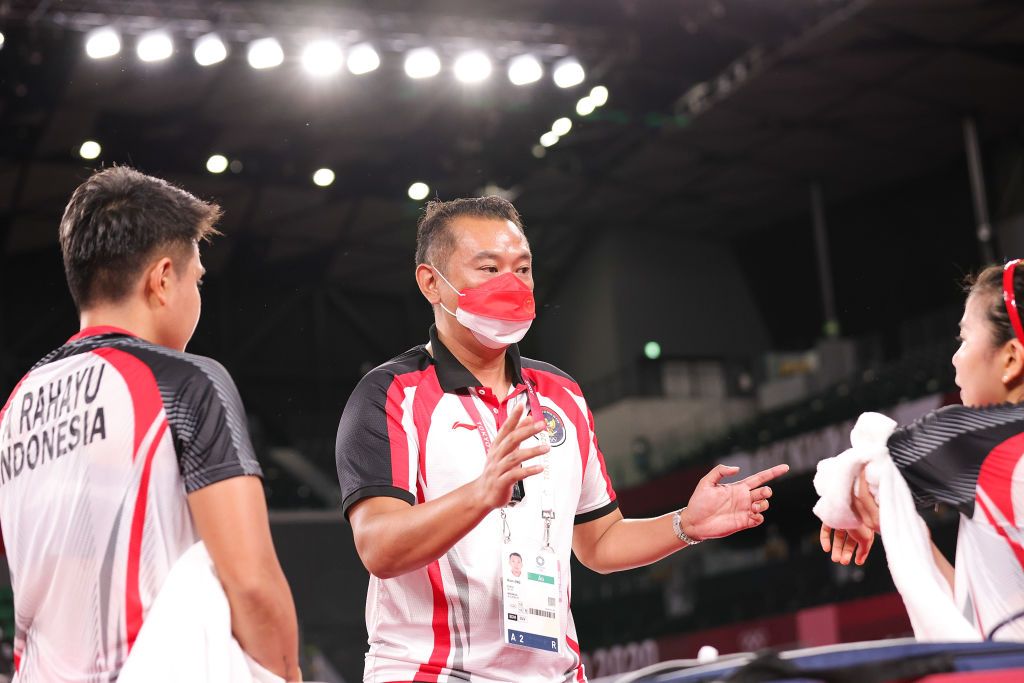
(460, 453)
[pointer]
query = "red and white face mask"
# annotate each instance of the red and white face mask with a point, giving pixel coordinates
(498, 312)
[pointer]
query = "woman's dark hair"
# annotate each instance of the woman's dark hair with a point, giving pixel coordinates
(114, 222)
(989, 284)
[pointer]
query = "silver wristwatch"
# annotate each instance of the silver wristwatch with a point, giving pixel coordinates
(677, 526)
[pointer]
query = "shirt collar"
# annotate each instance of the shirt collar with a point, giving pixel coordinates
(453, 375)
(98, 330)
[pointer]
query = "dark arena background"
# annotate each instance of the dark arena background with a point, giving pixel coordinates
(750, 221)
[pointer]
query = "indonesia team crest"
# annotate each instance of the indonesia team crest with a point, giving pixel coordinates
(556, 430)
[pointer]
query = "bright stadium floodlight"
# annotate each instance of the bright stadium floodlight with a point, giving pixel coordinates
(154, 46)
(652, 350)
(90, 149)
(472, 67)
(323, 177)
(599, 95)
(549, 138)
(418, 191)
(561, 126)
(265, 53)
(524, 69)
(102, 43)
(362, 59)
(1, 40)
(322, 58)
(422, 62)
(210, 50)
(568, 73)
(218, 163)
(585, 106)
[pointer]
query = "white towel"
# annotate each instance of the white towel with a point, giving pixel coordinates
(187, 633)
(925, 592)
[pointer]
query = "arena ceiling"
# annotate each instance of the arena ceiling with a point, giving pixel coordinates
(721, 114)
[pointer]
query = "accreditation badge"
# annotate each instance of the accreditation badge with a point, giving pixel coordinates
(531, 593)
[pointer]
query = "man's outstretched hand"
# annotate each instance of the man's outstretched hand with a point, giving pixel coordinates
(716, 510)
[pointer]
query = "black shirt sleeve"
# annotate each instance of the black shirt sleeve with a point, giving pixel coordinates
(210, 427)
(374, 453)
(940, 455)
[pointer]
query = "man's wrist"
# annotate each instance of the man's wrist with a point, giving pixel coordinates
(683, 528)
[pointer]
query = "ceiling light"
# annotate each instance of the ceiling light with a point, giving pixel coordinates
(422, 62)
(102, 43)
(210, 49)
(265, 53)
(599, 95)
(524, 69)
(419, 191)
(1, 39)
(568, 72)
(472, 67)
(363, 59)
(561, 126)
(549, 138)
(218, 163)
(585, 106)
(322, 58)
(90, 149)
(154, 46)
(323, 177)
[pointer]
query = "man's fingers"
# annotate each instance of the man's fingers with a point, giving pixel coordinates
(756, 520)
(755, 480)
(719, 473)
(521, 455)
(511, 423)
(764, 493)
(520, 434)
(759, 506)
(838, 540)
(825, 538)
(863, 549)
(849, 546)
(519, 473)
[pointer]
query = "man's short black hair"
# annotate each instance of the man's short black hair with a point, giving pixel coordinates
(113, 223)
(511, 555)
(434, 240)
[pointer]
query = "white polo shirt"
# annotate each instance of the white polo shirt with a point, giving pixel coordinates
(405, 433)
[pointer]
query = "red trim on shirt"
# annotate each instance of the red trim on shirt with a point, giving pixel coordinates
(146, 401)
(398, 439)
(996, 480)
(428, 395)
(553, 386)
(97, 330)
(133, 602)
(581, 676)
(146, 405)
(431, 670)
(600, 457)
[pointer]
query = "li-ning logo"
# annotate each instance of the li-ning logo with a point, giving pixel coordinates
(463, 425)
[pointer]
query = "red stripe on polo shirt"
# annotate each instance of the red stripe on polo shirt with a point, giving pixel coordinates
(600, 457)
(428, 395)
(432, 668)
(553, 388)
(400, 476)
